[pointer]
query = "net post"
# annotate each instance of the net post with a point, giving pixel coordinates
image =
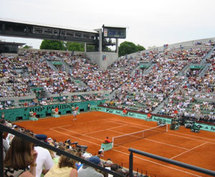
(166, 127)
(112, 141)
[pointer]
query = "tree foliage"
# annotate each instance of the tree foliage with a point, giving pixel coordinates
(128, 48)
(124, 48)
(91, 48)
(70, 46)
(52, 45)
(75, 46)
(140, 48)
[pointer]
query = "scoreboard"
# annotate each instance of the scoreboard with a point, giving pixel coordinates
(114, 32)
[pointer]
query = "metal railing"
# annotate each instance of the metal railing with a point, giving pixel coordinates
(4, 128)
(174, 162)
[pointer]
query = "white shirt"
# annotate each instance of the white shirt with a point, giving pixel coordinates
(44, 160)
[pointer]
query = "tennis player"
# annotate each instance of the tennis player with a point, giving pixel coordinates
(75, 113)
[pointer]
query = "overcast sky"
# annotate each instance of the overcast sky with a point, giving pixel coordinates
(148, 22)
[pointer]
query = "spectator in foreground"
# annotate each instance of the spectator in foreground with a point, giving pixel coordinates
(87, 171)
(5, 143)
(101, 153)
(44, 161)
(44, 158)
(65, 167)
(19, 157)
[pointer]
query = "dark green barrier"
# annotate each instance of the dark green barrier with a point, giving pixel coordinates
(206, 127)
(107, 146)
(163, 119)
(45, 110)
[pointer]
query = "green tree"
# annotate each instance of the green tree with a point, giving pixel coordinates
(91, 48)
(75, 46)
(140, 48)
(52, 45)
(128, 48)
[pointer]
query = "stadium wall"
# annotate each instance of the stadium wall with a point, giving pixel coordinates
(155, 118)
(23, 113)
(102, 59)
(187, 43)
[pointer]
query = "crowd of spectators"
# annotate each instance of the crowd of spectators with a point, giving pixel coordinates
(142, 89)
(195, 97)
(168, 81)
(146, 91)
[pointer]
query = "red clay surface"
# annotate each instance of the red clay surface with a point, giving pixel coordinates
(92, 128)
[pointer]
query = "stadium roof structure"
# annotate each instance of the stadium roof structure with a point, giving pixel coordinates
(49, 25)
(11, 43)
(15, 28)
(9, 47)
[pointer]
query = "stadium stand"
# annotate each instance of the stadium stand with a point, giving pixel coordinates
(153, 81)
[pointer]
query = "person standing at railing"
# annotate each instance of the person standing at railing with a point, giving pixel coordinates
(20, 160)
(5, 142)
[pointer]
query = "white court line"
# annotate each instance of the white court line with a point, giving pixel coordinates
(127, 154)
(75, 137)
(159, 164)
(126, 124)
(188, 150)
(68, 125)
(61, 127)
(136, 125)
(192, 138)
(118, 122)
(182, 134)
(170, 134)
(159, 142)
(103, 130)
(200, 138)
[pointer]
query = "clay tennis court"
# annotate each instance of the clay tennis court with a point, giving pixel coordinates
(91, 129)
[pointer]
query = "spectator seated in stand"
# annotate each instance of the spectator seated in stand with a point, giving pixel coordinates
(44, 158)
(65, 168)
(101, 152)
(88, 171)
(41, 137)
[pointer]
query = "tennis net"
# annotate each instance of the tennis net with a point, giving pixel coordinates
(127, 138)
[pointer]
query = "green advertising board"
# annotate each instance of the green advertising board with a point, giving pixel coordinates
(42, 111)
(153, 118)
(206, 127)
(163, 119)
